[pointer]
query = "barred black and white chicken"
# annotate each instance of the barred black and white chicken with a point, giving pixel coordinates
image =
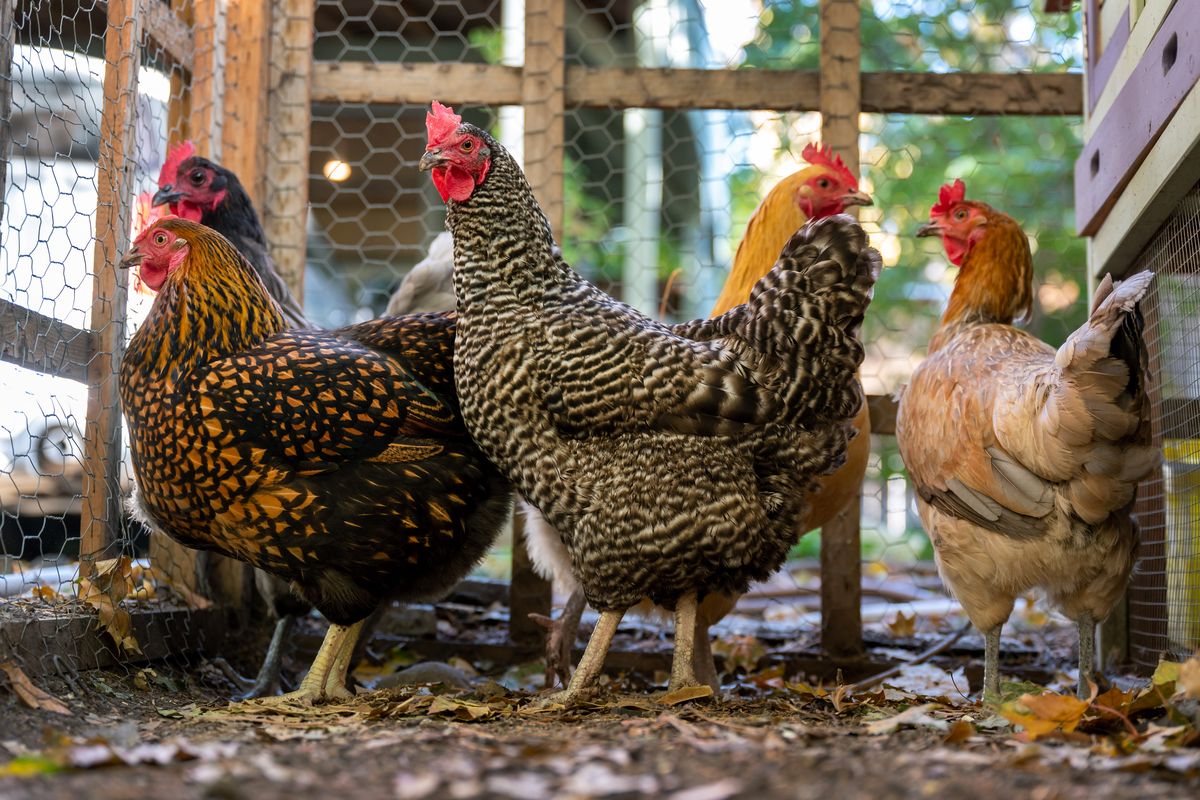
(674, 461)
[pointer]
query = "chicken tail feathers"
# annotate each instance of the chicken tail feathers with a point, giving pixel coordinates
(804, 317)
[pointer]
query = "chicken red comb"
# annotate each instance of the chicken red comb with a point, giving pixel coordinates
(175, 156)
(948, 195)
(440, 122)
(822, 156)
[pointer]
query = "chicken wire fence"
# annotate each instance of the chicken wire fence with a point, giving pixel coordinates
(650, 181)
(1164, 599)
(89, 95)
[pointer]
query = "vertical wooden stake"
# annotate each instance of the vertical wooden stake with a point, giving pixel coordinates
(205, 94)
(246, 77)
(101, 512)
(289, 111)
(543, 95)
(8, 38)
(841, 539)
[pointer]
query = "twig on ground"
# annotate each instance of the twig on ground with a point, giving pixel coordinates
(938, 648)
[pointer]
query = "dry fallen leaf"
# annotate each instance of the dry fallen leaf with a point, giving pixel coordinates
(1189, 678)
(685, 694)
(916, 717)
(1040, 714)
(103, 589)
(47, 593)
(959, 732)
(903, 626)
(739, 651)
(29, 694)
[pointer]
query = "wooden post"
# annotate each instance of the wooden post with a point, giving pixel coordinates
(289, 111)
(841, 101)
(247, 57)
(205, 100)
(101, 509)
(8, 37)
(179, 103)
(543, 95)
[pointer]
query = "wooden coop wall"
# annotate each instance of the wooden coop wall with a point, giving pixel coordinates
(250, 84)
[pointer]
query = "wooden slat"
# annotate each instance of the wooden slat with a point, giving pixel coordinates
(246, 81)
(75, 642)
(1037, 94)
(528, 592)
(289, 110)
(973, 94)
(34, 341)
(114, 187)
(205, 93)
(165, 29)
(362, 82)
(840, 103)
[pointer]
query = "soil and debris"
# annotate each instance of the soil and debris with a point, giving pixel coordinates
(460, 727)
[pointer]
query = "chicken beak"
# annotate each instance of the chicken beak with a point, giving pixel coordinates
(131, 259)
(929, 229)
(857, 199)
(165, 196)
(429, 160)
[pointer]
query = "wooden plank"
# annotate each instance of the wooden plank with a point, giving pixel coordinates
(289, 111)
(841, 102)
(746, 90)
(394, 83)
(246, 79)
(166, 29)
(74, 642)
(34, 341)
(973, 94)
(179, 102)
(882, 408)
(114, 187)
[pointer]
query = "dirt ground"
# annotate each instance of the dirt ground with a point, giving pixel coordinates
(168, 732)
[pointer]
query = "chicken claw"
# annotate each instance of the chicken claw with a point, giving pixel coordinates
(589, 666)
(326, 679)
(561, 639)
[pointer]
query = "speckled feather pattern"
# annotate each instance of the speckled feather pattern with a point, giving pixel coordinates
(670, 459)
(335, 459)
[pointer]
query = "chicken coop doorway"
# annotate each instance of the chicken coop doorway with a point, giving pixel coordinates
(648, 131)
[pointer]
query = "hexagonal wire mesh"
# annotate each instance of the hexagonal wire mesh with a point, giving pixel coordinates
(67, 215)
(657, 200)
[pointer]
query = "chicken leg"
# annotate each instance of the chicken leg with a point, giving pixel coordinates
(591, 663)
(683, 671)
(561, 641)
(1087, 654)
(267, 681)
(326, 678)
(705, 666)
(991, 664)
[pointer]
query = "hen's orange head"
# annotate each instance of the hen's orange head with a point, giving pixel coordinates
(960, 222)
(457, 154)
(827, 186)
(163, 248)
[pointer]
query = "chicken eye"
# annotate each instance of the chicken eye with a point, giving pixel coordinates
(468, 145)
(823, 183)
(960, 214)
(160, 239)
(197, 177)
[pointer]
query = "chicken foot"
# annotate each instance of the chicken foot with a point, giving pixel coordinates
(326, 678)
(1087, 655)
(591, 663)
(683, 672)
(267, 681)
(705, 666)
(561, 641)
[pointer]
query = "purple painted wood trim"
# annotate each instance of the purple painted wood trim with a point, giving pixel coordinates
(1137, 116)
(1099, 71)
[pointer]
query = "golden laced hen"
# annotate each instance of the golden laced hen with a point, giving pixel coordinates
(1026, 459)
(335, 459)
(672, 461)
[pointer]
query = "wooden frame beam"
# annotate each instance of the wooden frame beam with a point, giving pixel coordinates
(35, 341)
(951, 93)
(101, 515)
(165, 29)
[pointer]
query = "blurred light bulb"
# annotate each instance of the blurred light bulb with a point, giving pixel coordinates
(336, 170)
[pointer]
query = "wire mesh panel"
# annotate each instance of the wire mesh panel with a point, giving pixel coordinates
(89, 95)
(1164, 600)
